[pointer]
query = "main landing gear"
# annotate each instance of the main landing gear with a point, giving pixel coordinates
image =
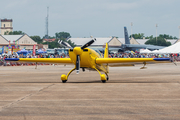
(65, 77)
(103, 76)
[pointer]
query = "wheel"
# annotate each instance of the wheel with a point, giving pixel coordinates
(103, 81)
(63, 78)
(64, 81)
(107, 78)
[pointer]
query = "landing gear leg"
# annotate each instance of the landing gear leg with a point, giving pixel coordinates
(107, 77)
(65, 77)
(143, 66)
(103, 77)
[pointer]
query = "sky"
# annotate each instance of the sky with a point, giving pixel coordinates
(97, 18)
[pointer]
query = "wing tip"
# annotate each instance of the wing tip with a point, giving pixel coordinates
(161, 59)
(11, 59)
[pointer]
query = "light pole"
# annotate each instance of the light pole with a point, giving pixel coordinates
(179, 32)
(131, 29)
(156, 32)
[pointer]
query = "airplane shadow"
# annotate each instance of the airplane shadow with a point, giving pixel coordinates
(61, 82)
(111, 81)
(98, 81)
(115, 81)
(33, 82)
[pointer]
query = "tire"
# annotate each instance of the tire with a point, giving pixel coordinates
(64, 81)
(103, 81)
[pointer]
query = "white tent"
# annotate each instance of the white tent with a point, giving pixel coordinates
(144, 51)
(155, 52)
(175, 48)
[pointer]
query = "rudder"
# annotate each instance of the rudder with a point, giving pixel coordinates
(106, 51)
(127, 41)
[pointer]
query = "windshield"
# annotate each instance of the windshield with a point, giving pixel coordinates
(95, 49)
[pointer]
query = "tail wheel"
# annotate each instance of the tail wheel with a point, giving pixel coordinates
(107, 78)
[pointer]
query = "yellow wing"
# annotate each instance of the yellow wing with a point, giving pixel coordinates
(42, 60)
(130, 61)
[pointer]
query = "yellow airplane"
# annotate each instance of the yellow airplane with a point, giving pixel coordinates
(86, 58)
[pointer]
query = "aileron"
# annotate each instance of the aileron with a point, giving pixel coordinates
(42, 60)
(130, 60)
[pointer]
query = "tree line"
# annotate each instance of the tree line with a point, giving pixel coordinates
(58, 36)
(160, 40)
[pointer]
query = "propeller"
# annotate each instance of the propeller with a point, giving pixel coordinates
(65, 44)
(77, 51)
(88, 43)
(77, 64)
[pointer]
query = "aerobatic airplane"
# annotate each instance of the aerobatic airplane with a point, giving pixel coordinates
(86, 58)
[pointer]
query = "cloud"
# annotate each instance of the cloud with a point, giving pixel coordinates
(14, 4)
(120, 6)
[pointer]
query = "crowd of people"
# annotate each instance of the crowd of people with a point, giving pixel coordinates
(174, 57)
(138, 55)
(6, 63)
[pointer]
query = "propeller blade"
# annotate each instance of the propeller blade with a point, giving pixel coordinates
(65, 44)
(77, 64)
(88, 43)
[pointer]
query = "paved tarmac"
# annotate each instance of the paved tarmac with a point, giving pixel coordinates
(130, 94)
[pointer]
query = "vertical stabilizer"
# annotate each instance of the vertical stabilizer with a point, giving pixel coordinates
(106, 55)
(127, 41)
(106, 51)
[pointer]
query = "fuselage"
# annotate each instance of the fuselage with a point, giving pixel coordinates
(87, 58)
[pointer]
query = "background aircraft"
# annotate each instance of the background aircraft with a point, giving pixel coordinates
(128, 46)
(86, 58)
